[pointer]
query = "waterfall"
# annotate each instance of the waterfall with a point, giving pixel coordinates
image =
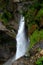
(22, 43)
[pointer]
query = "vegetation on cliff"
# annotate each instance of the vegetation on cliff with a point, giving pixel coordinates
(33, 13)
(6, 11)
(34, 19)
(39, 61)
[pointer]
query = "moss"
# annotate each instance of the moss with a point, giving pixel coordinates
(34, 12)
(33, 16)
(36, 37)
(41, 34)
(39, 61)
(6, 16)
(39, 14)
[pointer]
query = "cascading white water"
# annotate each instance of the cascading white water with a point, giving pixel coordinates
(22, 43)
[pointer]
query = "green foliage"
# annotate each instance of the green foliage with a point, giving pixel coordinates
(3, 4)
(29, 14)
(39, 49)
(39, 61)
(5, 16)
(41, 34)
(39, 14)
(36, 37)
(34, 12)
(34, 15)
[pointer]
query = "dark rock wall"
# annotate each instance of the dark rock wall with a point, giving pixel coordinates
(7, 46)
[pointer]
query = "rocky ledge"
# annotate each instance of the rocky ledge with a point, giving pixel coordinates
(35, 53)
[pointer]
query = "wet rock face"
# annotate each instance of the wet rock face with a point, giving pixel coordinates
(7, 46)
(41, 44)
(20, 0)
(16, 0)
(22, 61)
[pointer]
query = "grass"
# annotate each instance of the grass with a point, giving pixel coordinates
(36, 37)
(39, 61)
